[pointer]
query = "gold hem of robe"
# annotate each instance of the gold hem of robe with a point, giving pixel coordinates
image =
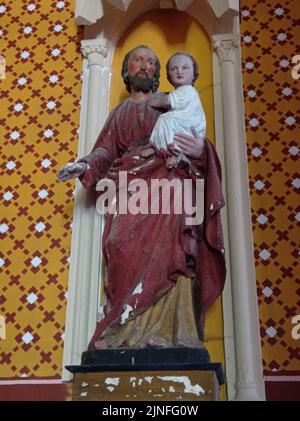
(173, 321)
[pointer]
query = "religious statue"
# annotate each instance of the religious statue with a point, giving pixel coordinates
(162, 271)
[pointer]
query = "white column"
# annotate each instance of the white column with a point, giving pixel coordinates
(249, 384)
(85, 265)
(95, 51)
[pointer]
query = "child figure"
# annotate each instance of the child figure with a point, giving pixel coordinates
(186, 110)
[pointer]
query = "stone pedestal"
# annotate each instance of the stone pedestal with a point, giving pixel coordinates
(166, 374)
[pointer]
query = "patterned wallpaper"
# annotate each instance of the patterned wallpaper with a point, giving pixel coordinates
(39, 119)
(270, 30)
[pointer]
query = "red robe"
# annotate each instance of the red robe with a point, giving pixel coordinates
(151, 251)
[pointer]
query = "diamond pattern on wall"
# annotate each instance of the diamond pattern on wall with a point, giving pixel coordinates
(39, 118)
(270, 30)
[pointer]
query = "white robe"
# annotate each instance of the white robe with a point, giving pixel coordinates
(187, 112)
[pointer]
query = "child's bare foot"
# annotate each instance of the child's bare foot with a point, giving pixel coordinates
(147, 152)
(173, 161)
(100, 345)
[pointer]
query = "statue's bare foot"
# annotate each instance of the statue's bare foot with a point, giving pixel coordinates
(156, 342)
(147, 152)
(172, 161)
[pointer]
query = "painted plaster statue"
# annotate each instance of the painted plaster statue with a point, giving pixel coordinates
(186, 111)
(162, 272)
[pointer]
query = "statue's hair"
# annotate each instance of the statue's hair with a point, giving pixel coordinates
(124, 72)
(195, 65)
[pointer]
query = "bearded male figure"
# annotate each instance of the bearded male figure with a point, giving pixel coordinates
(162, 273)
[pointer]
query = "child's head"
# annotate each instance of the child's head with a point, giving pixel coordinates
(182, 69)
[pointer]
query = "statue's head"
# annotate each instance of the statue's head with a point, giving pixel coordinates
(141, 70)
(191, 62)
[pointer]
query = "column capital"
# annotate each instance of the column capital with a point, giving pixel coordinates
(225, 46)
(95, 50)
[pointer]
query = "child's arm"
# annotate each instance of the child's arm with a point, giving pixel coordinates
(162, 101)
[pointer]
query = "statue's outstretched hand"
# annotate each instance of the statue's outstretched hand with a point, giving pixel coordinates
(72, 170)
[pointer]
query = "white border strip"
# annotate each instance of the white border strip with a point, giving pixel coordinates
(282, 378)
(15, 382)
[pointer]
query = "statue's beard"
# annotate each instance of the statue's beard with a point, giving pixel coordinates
(139, 83)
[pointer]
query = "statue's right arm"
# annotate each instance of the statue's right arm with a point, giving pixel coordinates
(89, 169)
(92, 167)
